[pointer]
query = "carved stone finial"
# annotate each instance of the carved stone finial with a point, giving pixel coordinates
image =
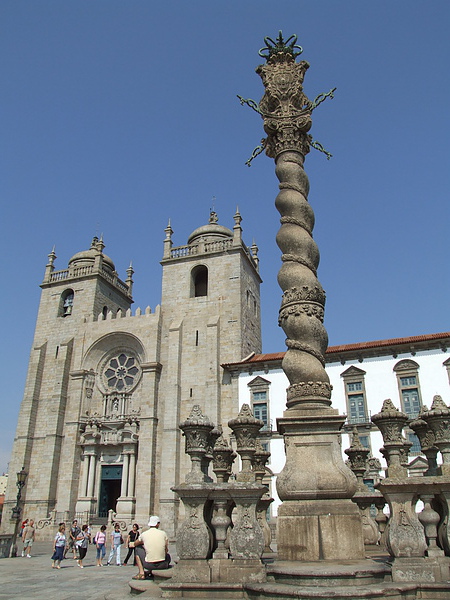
(245, 427)
(197, 429)
(223, 458)
(390, 421)
(438, 403)
(438, 421)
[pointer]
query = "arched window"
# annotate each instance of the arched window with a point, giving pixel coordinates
(105, 312)
(66, 304)
(199, 281)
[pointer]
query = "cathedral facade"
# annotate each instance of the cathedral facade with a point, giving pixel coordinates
(107, 388)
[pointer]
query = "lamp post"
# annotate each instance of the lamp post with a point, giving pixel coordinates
(15, 516)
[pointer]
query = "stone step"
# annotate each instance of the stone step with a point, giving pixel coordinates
(342, 573)
(386, 591)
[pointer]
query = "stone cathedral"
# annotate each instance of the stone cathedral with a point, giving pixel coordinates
(106, 389)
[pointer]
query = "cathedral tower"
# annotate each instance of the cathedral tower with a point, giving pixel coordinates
(48, 419)
(211, 315)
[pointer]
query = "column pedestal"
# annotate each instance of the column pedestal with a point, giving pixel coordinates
(317, 519)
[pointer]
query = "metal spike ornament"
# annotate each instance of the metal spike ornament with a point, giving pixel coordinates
(315, 485)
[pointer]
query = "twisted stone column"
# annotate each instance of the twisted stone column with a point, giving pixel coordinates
(317, 519)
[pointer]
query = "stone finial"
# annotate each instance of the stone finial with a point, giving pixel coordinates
(259, 461)
(426, 439)
(439, 404)
(51, 257)
(168, 241)
(196, 429)
(390, 421)
(245, 427)
(358, 455)
(50, 267)
(438, 421)
(237, 229)
(129, 279)
(223, 458)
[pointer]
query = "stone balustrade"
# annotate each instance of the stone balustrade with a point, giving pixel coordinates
(225, 530)
(419, 543)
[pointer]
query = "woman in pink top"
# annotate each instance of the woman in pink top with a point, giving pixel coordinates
(100, 542)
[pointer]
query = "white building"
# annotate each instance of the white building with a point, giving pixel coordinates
(409, 371)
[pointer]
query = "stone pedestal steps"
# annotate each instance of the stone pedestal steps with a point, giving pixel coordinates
(388, 591)
(344, 580)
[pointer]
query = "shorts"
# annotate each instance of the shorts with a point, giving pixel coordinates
(27, 543)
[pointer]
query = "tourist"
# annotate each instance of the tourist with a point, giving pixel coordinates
(100, 544)
(116, 544)
(132, 537)
(28, 534)
(82, 542)
(59, 545)
(151, 550)
(24, 524)
(73, 533)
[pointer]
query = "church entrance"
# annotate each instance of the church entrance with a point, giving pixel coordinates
(110, 487)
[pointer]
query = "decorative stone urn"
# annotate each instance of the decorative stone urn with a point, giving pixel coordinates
(223, 458)
(438, 420)
(357, 456)
(245, 428)
(390, 421)
(196, 429)
(426, 439)
(259, 461)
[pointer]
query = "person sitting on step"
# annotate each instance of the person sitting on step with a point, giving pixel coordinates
(151, 550)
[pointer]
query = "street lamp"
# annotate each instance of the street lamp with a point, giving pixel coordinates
(21, 478)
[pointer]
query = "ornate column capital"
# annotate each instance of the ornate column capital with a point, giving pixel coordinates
(285, 108)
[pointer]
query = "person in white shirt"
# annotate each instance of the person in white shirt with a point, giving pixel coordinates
(151, 550)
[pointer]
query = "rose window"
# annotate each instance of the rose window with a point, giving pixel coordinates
(121, 373)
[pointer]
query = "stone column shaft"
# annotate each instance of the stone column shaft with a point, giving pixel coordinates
(84, 480)
(91, 479)
(124, 486)
(132, 474)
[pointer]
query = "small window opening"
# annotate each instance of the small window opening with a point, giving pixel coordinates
(57, 352)
(105, 312)
(67, 303)
(199, 281)
(196, 338)
(190, 393)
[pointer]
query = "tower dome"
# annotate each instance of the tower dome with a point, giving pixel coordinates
(87, 257)
(210, 232)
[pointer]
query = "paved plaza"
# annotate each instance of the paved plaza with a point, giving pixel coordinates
(35, 579)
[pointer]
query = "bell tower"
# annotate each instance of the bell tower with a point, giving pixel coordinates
(88, 290)
(211, 315)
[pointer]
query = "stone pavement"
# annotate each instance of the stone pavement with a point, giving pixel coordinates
(33, 578)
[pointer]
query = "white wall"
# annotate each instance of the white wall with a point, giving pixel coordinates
(380, 383)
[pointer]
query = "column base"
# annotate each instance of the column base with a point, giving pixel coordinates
(87, 504)
(125, 508)
(312, 530)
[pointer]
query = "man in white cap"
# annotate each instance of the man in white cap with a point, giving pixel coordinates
(152, 549)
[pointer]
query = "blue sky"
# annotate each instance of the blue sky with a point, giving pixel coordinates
(118, 115)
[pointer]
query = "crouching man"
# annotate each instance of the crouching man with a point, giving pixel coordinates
(151, 549)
